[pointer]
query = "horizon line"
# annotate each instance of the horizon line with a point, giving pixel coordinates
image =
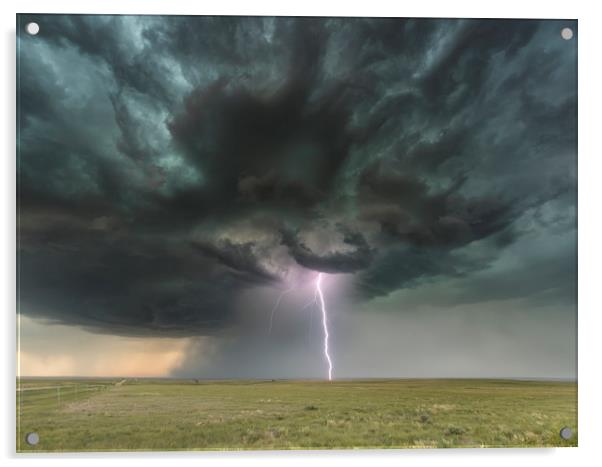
(351, 378)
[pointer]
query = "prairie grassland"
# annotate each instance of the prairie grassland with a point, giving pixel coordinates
(113, 415)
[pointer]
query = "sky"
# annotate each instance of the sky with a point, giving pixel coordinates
(178, 177)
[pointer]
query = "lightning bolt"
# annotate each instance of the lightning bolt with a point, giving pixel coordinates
(324, 324)
(318, 299)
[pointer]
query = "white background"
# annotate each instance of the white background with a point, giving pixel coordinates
(590, 194)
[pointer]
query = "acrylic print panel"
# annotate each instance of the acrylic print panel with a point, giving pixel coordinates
(295, 233)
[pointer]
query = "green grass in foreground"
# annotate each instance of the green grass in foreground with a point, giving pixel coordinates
(105, 415)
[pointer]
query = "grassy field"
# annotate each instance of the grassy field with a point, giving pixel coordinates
(111, 415)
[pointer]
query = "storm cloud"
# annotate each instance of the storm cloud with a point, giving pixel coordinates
(167, 166)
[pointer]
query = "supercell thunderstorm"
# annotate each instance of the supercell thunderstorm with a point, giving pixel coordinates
(174, 172)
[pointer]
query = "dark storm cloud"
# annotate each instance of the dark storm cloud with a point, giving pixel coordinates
(125, 286)
(104, 38)
(169, 164)
(240, 258)
(274, 148)
(337, 262)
